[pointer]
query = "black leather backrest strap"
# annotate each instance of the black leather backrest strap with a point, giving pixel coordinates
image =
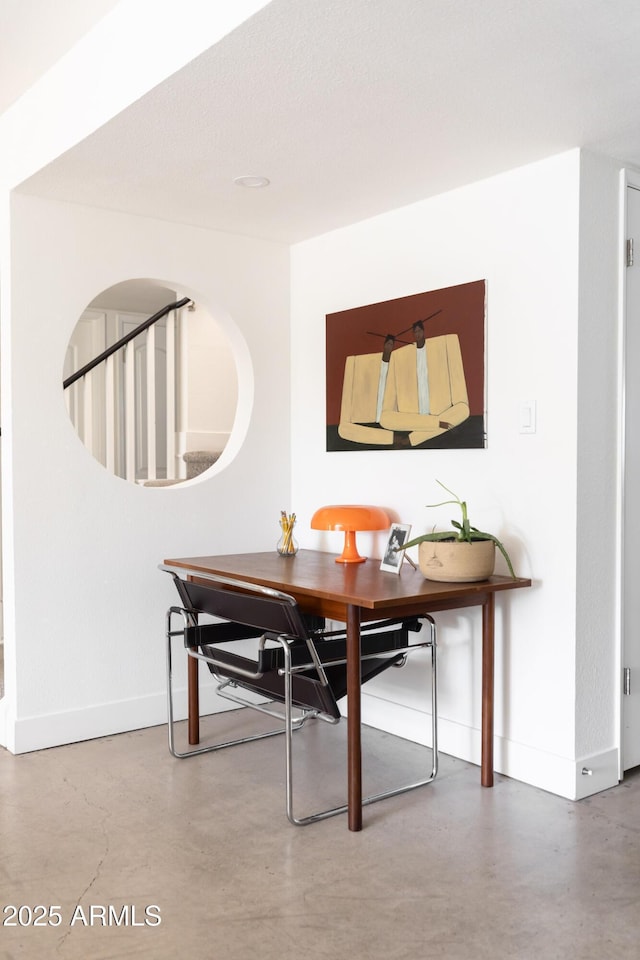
(266, 613)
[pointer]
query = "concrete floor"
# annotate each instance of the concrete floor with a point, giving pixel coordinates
(451, 870)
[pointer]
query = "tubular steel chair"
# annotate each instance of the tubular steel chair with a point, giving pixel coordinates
(296, 663)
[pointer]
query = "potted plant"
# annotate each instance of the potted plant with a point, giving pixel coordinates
(463, 554)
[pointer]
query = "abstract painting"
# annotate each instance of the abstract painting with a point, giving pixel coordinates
(408, 374)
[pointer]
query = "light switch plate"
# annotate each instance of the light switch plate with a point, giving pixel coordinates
(527, 416)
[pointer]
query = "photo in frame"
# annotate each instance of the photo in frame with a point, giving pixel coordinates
(393, 557)
(408, 374)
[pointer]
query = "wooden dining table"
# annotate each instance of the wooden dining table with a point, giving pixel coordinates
(354, 593)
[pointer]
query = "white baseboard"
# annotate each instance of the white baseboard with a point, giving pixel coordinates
(89, 723)
(559, 775)
(597, 772)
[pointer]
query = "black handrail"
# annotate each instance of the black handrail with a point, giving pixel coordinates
(124, 341)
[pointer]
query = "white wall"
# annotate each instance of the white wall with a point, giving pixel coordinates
(213, 387)
(519, 231)
(85, 603)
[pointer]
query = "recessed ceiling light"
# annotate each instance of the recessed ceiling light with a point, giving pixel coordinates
(251, 181)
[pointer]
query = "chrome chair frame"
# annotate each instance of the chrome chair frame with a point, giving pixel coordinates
(294, 717)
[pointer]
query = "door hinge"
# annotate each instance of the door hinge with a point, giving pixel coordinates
(630, 252)
(626, 681)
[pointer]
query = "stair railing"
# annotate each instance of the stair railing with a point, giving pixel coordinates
(139, 436)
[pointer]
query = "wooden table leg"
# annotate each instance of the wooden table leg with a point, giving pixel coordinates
(194, 700)
(488, 648)
(354, 749)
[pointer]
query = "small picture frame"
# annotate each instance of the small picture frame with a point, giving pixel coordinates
(393, 556)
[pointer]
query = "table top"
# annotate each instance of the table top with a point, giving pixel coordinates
(316, 575)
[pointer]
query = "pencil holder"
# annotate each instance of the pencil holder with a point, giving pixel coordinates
(287, 546)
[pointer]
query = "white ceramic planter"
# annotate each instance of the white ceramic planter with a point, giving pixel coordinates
(451, 561)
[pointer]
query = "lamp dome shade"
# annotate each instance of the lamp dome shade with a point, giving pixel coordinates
(350, 517)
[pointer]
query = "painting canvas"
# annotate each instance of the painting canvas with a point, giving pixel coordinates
(408, 374)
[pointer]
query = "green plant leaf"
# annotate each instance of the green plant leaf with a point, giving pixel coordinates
(430, 537)
(454, 495)
(479, 535)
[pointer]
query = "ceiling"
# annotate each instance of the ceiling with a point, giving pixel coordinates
(34, 34)
(355, 107)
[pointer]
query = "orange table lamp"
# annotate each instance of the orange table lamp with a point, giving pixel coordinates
(350, 518)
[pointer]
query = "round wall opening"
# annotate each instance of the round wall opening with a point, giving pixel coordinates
(150, 383)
